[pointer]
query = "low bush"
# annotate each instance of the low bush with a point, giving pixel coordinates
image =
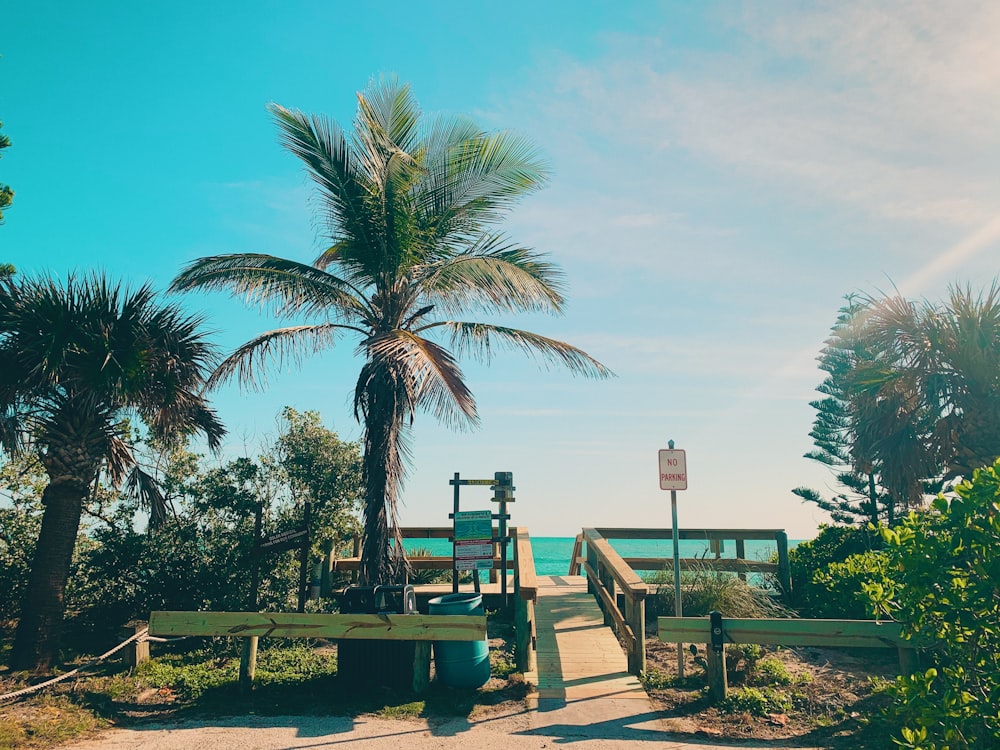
(945, 566)
(758, 701)
(831, 596)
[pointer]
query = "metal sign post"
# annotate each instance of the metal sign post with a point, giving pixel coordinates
(673, 477)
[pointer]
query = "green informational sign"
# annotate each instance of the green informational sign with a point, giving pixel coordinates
(474, 525)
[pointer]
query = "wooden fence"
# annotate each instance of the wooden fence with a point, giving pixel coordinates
(421, 629)
(784, 632)
(332, 564)
(716, 538)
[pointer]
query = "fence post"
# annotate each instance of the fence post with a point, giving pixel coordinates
(635, 616)
(607, 580)
(908, 660)
(248, 664)
(592, 563)
(138, 651)
(715, 659)
(784, 567)
(326, 572)
(741, 553)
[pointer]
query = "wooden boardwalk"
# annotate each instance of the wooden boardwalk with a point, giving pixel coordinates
(579, 657)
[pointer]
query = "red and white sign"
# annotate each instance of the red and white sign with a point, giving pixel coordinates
(673, 470)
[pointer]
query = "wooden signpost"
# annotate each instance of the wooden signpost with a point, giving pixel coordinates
(473, 530)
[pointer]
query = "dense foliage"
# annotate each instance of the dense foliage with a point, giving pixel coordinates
(200, 555)
(944, 572)
(816, 591)
(79, 359)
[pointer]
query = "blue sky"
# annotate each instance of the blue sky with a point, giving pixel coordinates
(723, 174)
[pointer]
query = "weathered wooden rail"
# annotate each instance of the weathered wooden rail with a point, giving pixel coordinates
(607, 575)
(525, 596)
(421, 629)
(783, 632)
(332, 564)
(716, 538)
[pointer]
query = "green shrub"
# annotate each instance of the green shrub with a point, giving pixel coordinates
(770, 672)
(747, 654)
(833, 544)
(656, 679)
(502, 663)
(758, 701)
(945, 567)
(853, 578)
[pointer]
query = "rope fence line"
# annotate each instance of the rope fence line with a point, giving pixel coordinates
(142, 635)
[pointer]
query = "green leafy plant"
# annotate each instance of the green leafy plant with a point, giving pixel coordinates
(758, 701)
(770, 672)
(829, 598)
(502, 663)
(747, 654)
(945, 567)
(656, 679)
(864, 578)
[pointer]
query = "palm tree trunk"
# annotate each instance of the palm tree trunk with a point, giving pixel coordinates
(383, 559)
(36, 642)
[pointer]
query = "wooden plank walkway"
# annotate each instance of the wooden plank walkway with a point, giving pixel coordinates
(579, 657)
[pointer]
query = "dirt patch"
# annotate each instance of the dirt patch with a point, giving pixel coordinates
(818, 696)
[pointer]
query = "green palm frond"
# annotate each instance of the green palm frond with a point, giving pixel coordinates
(493, 275)
(432, 377)
(249, 363)
(143, 487)
(291, 286)
(322, 146)
(475, 179)
(388, 117)
(480, 340)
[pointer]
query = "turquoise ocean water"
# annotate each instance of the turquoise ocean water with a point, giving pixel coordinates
(552, 553)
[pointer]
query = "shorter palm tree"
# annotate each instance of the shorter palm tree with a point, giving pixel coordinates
(79, 363)
(947, 356)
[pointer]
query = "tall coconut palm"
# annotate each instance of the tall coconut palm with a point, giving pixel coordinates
(410, 207)
(79, 362)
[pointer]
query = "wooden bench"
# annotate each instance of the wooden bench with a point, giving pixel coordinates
(421, 629)
(782, 632)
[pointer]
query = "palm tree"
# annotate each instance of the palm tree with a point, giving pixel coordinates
(948, 357)
(79, 362)
(410, 206)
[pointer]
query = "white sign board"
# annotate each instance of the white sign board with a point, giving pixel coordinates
(673, 470)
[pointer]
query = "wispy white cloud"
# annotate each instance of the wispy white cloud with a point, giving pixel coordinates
(884, 109)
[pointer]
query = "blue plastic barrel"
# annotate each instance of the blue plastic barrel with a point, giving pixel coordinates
(462, 664)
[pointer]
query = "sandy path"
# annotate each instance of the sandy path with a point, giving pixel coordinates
(511, 732)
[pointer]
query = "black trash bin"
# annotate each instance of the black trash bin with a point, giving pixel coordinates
(379, 662)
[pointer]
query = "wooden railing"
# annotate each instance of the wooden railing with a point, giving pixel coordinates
(525, 595)
(607, 575)
(420, 629)
(785, 632)
(333, 564)
(716, 539)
